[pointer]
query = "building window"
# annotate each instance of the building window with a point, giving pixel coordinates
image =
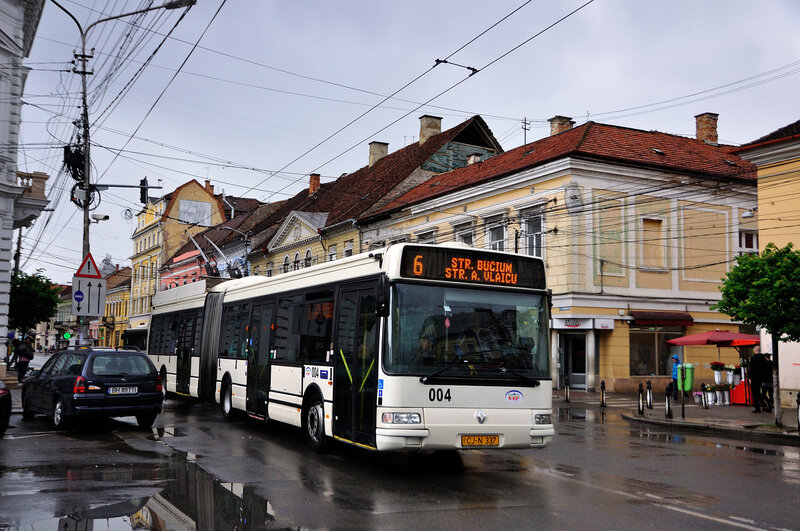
(307, 261)
(268, 272)
(464, 234)
(534, 236)
(495, 233)
(748, 242)
(653, 244)
(331, 253)
(348, 248)
(296, 263)
(427, 237)
(649, 350)
(286, 264)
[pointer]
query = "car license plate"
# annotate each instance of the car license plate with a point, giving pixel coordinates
(480, 440)
(123, 390)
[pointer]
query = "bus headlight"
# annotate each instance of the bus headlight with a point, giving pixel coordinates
(542, 418)
(401, 418)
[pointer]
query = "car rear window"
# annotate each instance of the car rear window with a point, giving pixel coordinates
(110, 364)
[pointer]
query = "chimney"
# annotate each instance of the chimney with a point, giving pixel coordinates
(706, 127)
(313, 184)
(209, 187)
(559, 124)
(377, 150)
(429, 126)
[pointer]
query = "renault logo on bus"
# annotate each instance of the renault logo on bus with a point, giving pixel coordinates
(481, 416)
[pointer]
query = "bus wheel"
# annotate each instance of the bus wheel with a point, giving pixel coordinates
(314, 421)
(226, 401)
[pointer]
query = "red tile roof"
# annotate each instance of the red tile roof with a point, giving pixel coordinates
(352, 194)
(608, 143)
(784, 133)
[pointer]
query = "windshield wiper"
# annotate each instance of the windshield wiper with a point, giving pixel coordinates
(535, 381)
(443, 368)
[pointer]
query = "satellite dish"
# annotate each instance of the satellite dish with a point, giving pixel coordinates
(127, 214)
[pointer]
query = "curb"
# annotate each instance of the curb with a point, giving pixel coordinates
(785, 438)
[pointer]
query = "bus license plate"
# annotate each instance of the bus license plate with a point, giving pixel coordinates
(480, 440)
(123, 390)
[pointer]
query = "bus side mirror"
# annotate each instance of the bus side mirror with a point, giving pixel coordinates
(382, 298)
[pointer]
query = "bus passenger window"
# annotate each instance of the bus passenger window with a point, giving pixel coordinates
(316, 326)
(287, 333)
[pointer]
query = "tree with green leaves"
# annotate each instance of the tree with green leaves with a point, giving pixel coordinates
(33, 299)
(764, 290)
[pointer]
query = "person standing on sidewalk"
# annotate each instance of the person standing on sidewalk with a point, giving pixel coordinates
(676, 361)
(758, 368)
(24, 357)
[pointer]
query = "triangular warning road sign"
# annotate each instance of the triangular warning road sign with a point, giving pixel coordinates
(88, 268)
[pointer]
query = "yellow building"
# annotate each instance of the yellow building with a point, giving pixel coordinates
(161, 229)
(636, 228)
(777, 157)
(115, 319)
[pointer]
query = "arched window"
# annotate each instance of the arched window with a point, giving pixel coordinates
(308, 257)
(270, 265)
(286, 264)
(296, 261)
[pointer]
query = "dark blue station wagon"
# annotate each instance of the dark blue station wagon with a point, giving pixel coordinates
(94, 383)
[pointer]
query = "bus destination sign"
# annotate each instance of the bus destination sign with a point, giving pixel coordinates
(471, 266)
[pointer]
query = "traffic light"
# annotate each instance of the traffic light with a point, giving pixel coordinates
(143, 191)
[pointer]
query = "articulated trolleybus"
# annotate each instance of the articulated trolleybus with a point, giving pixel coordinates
(414, 347)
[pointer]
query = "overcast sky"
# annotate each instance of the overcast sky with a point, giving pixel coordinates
(255, 95)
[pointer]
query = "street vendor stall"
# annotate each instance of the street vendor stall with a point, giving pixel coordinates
(740, 394)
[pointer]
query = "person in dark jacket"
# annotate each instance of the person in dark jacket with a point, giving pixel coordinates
(24, 357)
(758, 369)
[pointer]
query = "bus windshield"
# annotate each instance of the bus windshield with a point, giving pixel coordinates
(467, 333)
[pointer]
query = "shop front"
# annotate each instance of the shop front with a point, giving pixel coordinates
(575, 342)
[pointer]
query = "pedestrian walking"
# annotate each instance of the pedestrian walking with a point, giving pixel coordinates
(24, 357)
(676, 361)
(758, 368)
(766, 384)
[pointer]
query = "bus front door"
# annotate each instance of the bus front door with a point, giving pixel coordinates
(356, 370)
(258, 352)
(184, 349)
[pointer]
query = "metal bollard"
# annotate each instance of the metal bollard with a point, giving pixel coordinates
(566, 389)
(602, 393)
(703, 396)
(649, 395)
(641, 399)
(667, 403)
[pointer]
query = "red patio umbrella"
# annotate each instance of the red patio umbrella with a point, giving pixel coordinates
(720, 338)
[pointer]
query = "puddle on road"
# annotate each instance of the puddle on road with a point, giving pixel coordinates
(188, 495)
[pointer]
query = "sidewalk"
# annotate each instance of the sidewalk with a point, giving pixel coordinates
(725, 421)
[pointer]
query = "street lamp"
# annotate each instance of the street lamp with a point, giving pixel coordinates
(174, 4)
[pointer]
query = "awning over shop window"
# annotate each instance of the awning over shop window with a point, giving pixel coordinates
(661, 318)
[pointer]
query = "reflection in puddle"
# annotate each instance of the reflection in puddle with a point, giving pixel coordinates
(191, 499)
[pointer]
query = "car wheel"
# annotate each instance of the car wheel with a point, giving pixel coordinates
(226, 402)
(146, 420)
(164, 382)
(314, 421)
(27, 412)
(59, 420)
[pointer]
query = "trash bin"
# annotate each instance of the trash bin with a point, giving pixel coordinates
(685, 377)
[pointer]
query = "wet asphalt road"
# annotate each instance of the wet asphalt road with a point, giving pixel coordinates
(194, 470)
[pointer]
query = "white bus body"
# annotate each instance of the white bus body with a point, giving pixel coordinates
(413, 347)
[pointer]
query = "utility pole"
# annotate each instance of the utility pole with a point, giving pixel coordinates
(83, 72)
